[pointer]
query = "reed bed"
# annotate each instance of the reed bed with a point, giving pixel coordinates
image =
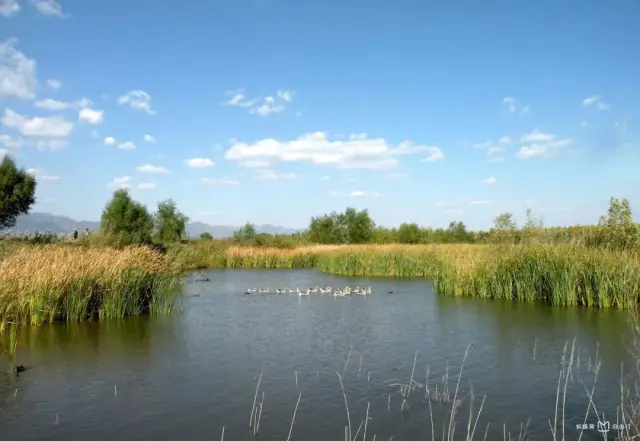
(563, 275)
(40, 284)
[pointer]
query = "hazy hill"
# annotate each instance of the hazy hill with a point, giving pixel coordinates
(61, 224)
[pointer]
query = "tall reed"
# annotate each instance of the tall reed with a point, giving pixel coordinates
(48, 283)
(564, 275)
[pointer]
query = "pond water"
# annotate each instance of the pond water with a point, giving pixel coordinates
(187, 376)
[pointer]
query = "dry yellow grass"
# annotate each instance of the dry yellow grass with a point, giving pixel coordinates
(56, 282)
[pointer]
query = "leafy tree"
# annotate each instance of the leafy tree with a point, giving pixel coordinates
(330, 228)
(533, 222)
(409, 233)
(125, 220)
(206, 236)
(457, 232)
(360, 226)
(17, 192)
(504, 222)
(245, 233)
(170, 224)
(619, 213)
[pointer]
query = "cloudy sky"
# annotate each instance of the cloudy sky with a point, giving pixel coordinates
(276, 110)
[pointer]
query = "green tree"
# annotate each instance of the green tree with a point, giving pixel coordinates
(170, 223)
(206, 236)
(330, 228)
(409, 233)
(125, 220)
(504, 222)
(619, 213)
(360, 226)
(532, 222)
(457, 232)
(17, 192)
(245, 233)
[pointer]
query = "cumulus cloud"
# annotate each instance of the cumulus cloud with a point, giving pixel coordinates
(128, 145)
(45, 127)
(540, 144)
(49, 7)
(149, 138)
(514, 107)
(146, 185)
(57, 105)
(10, 141)
(40, 175)
(137, 100)
(110, 141)
(148, 168)
(199, 163)
(219, 182)
(90, 116)
(54, 84)
(595, 101)
(17, 71)
(489, 180)
(261, 106)
(123, 182)
(359, 152)
(9, 7)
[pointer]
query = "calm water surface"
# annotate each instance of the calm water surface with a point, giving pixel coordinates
(186, 376)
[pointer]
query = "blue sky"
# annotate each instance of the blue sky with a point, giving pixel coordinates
(277, 110)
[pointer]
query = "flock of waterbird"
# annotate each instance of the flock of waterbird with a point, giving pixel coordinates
(337, 292)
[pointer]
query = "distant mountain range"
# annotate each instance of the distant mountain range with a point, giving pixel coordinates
(33, 222)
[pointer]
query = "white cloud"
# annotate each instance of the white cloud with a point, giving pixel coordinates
(255, 164)
(54, 84)
(489, 180)
(263, 106)
(199, 162)
(268, 175)
(146, 185)
(480, 202)
(364, 194)
(3, 152)
(138, 100)
(219, 182)
(149, 138)
(123, 182)
(39, 174)
(325, 178)
(49, 7)
(9, 7)
(356, 153)
(397, 175)
(110, 141)
(17, 71)
(11, 142)
(126, 145)
(454, 211)
(45, 127)
(514, 107)
(90, 116)
(504, 140)
(148, 168)
(95, 134)
(56, 105)
(541, 144)
(596, 101)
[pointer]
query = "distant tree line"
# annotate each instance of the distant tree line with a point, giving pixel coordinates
(125, 221)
